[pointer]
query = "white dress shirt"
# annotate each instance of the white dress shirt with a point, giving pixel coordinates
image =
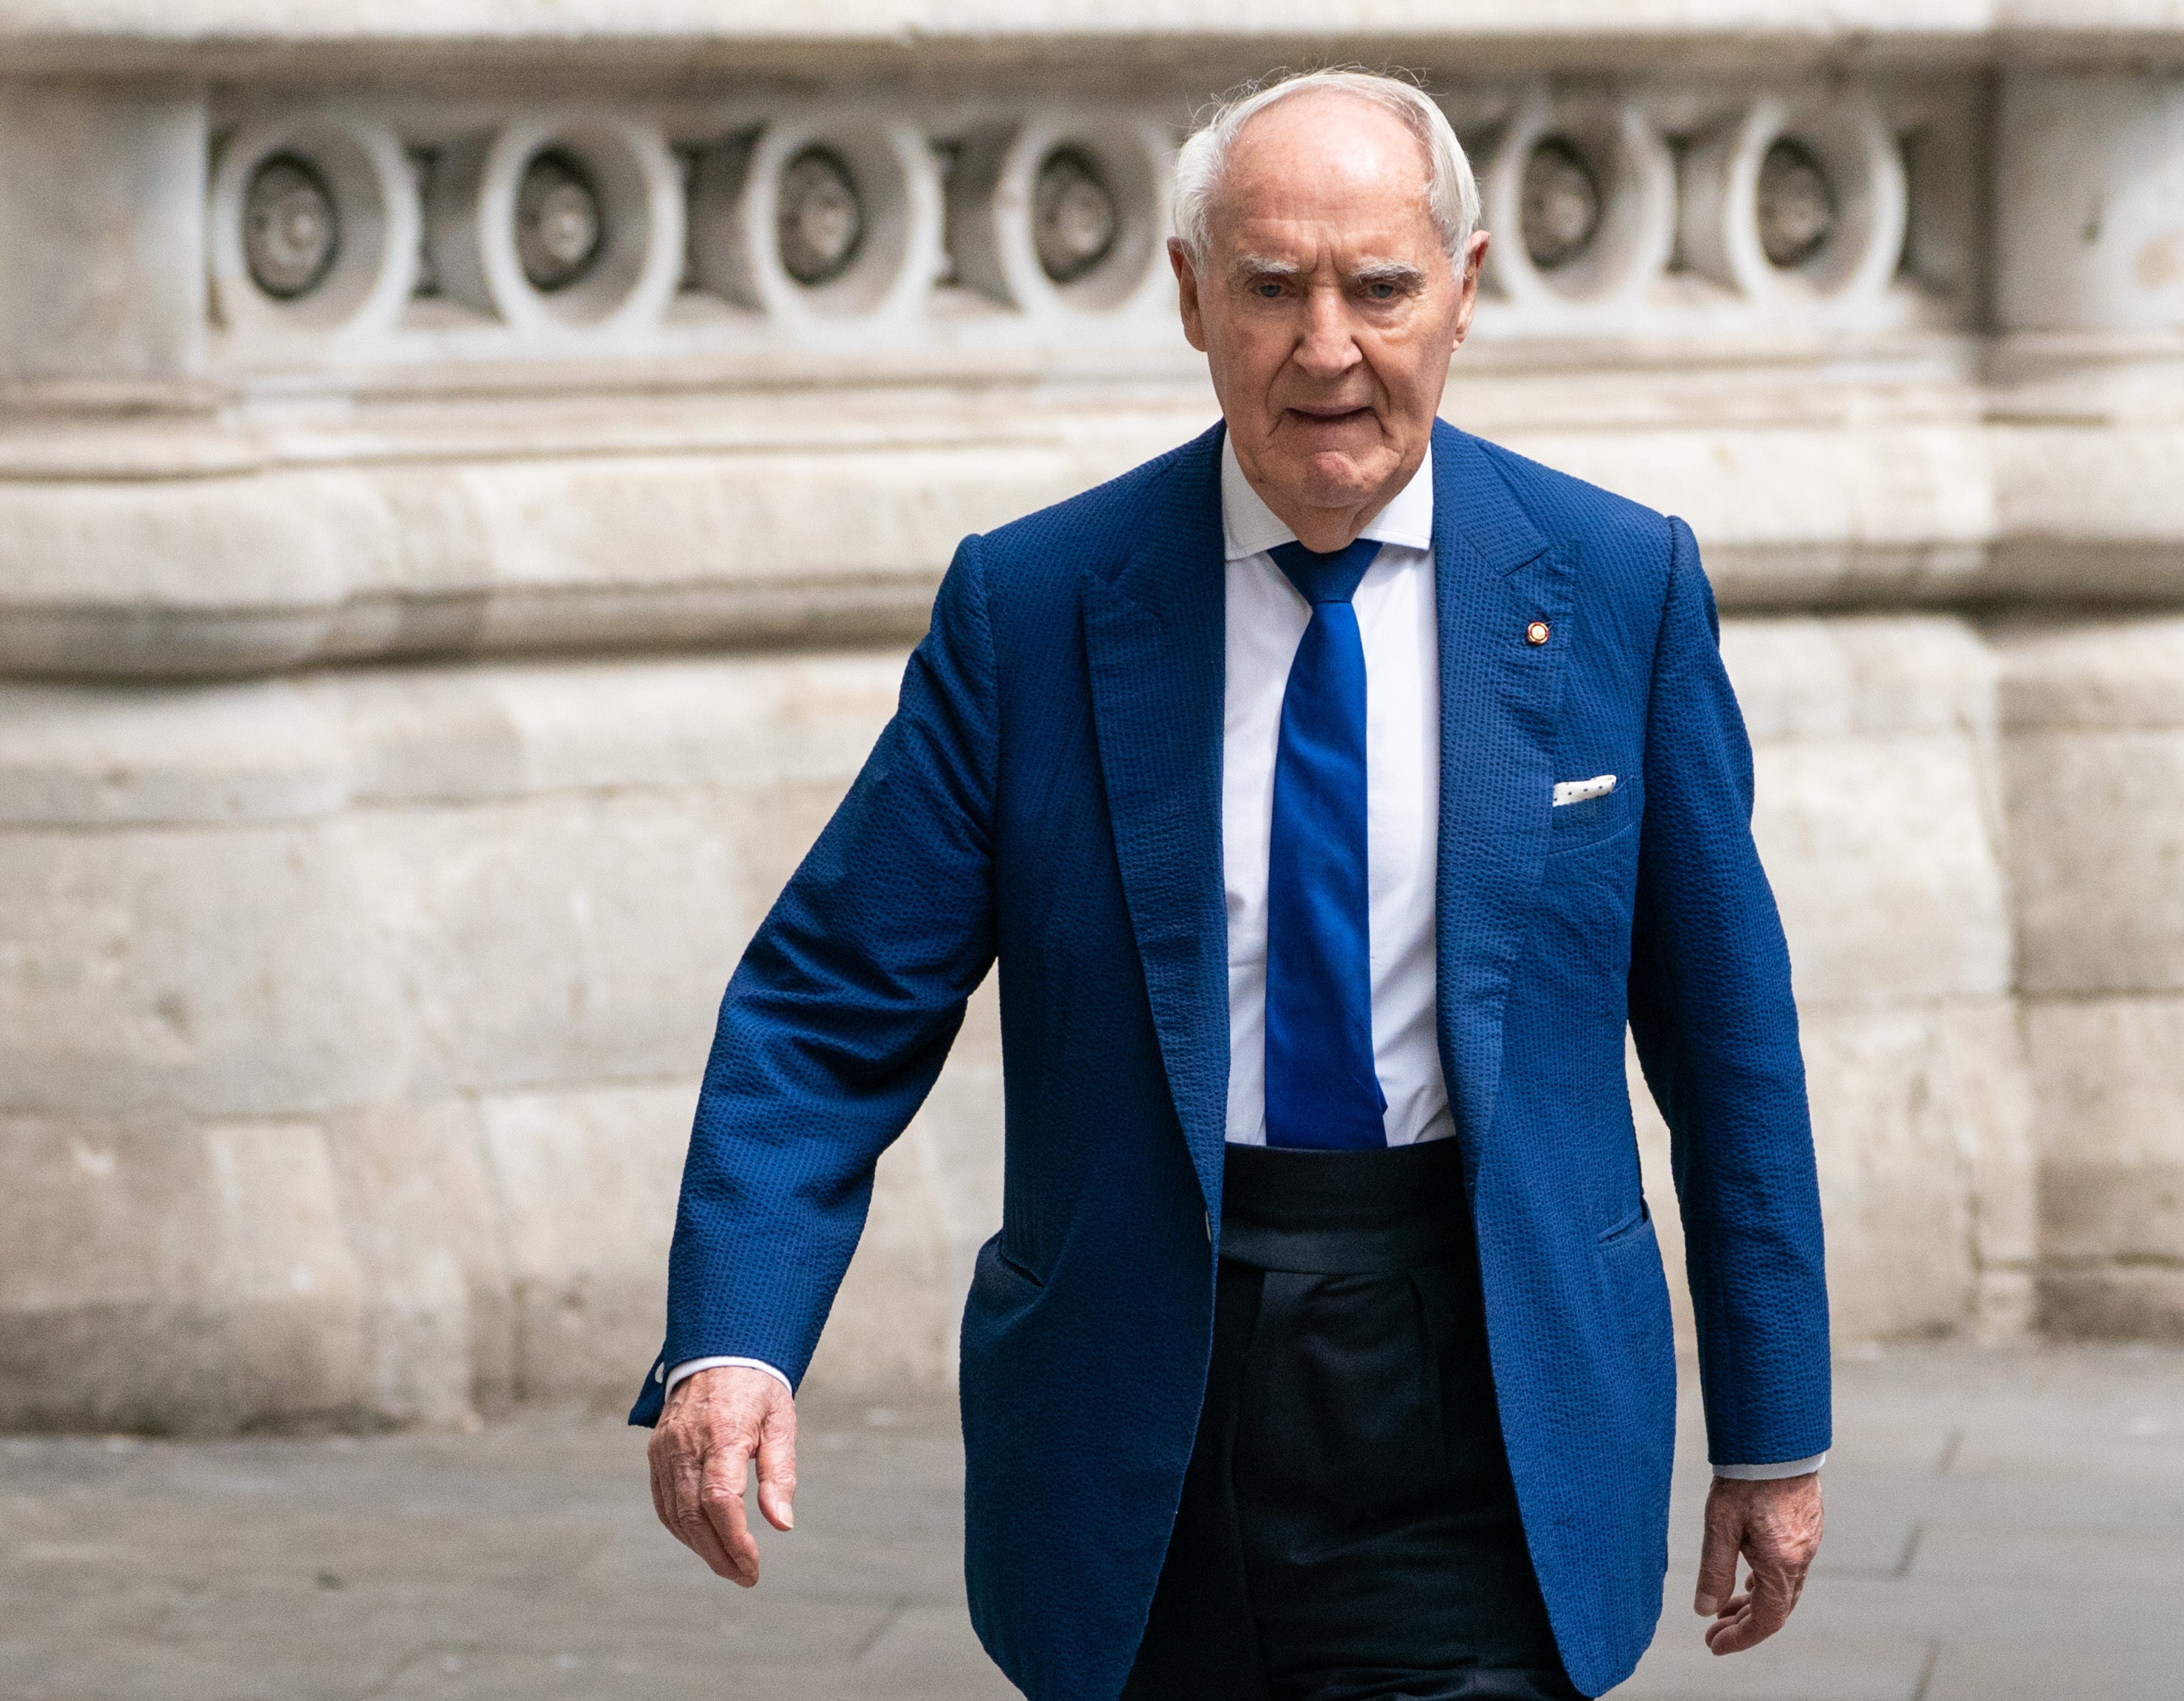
(1395, 619)
(1399, 624)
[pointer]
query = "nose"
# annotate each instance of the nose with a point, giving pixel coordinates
(1329, 348)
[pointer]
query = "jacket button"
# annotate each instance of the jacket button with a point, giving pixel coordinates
(1536, 633)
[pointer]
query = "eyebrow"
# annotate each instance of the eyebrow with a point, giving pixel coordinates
(1245, 267)
(1388, 271)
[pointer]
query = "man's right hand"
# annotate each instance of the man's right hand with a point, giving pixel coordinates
(716, 1423)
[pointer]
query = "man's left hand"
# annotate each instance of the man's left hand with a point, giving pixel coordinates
(1776, 1527)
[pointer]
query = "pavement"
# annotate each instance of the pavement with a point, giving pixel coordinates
(2003, 1525)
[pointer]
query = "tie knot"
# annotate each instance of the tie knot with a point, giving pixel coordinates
(1325, 578)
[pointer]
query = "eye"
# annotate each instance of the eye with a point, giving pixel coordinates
(1382, 290)
(1268, 289)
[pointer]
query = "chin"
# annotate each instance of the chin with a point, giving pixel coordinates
(1338, 481)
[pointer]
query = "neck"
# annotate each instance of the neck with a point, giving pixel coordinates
(1323, 529)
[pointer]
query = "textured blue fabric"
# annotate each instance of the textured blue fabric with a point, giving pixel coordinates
(1321, 1088)
(1049, 794)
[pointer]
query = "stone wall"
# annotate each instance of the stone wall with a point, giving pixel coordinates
(466, 489)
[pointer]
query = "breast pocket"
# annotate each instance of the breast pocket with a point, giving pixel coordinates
(1588, 820)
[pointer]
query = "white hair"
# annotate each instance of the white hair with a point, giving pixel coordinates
(1452, 190)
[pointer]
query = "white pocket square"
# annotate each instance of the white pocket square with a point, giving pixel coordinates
(1583, 790)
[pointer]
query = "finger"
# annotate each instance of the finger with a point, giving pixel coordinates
(1718, 1550)
(720, 1499)
(655, 1470)
(777, 1466)
(1766, 1611)
(696, 1533)
(687, 1507)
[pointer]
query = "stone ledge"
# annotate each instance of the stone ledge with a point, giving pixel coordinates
(739, 549)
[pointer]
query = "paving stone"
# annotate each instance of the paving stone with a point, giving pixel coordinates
(2003, 1525)
(1803, 1663)
(2019, 1670)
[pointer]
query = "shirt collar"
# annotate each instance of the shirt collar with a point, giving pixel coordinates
(1250, 527)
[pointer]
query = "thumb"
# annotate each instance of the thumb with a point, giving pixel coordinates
(776, 1464)
(1718, 1553)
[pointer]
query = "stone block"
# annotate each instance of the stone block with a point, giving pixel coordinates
(423, 1215)
(1861, 675)
(1873, 752)
(560, 940)
(192, 576)
(2087, 179)
(2083, 467)
(101, 193)
(2111, 1130)
(194, 1280)
(2118, 674)
(2113, 1302)
(1889, 883)
(1921, 1126)
(106, 756)
(585, 1182)
(2098, 834)
(2096, 796)
(2095, 758)
(422, 735)
(542, 876)
(178, 973)
(1793, 514)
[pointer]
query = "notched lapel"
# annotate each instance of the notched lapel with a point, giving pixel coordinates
(1154, 643)
(1494, 574)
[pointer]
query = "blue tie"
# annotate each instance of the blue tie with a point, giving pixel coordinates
(1321, 1090)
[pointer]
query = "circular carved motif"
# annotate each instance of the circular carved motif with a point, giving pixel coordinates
(820, 219)
(1797, 204)
(291, 234)
(1075, 222)
(1562, 206)
(557, 223)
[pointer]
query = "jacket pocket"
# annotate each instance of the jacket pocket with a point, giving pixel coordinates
(1005, 1267)
(1572, 826)
(1628, 1225)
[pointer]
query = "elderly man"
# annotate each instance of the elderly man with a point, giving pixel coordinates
(1331, 791)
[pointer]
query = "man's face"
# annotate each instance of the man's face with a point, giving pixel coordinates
(1328, 310)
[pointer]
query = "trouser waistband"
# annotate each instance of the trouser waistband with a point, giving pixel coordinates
(1316, 1212)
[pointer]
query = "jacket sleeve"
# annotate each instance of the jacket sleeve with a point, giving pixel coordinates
(1716, 1028)
(839, 1016)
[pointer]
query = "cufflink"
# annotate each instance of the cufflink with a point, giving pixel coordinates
(1536, 633)
(660, 1371)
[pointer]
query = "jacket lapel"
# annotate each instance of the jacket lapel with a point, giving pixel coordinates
(1154, 639)
(1494, 575)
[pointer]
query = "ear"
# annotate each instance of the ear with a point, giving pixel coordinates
(1474, 258)
(1186, 295)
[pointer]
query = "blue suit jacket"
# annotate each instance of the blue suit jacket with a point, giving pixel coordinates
(1048, 796)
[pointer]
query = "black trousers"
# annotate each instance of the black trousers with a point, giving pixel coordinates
(1348, 1531)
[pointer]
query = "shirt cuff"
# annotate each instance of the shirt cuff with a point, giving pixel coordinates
(1770, 1473)
(691, 1367)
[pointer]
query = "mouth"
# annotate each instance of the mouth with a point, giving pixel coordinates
(1323, 418)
